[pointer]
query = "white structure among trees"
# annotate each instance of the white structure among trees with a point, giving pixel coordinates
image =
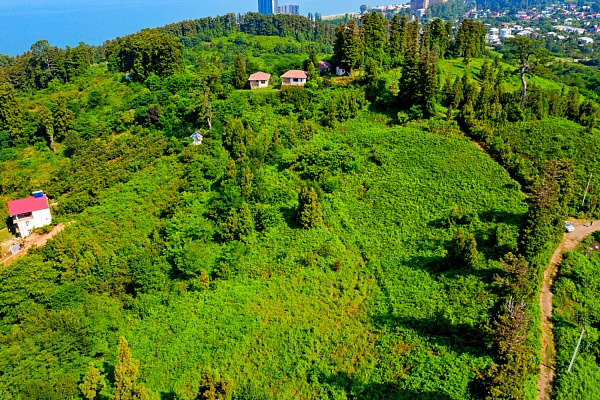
(30, 213)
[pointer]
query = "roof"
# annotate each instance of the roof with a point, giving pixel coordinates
(27, 205)
(324, 64)
(294, 73)
(259, 76)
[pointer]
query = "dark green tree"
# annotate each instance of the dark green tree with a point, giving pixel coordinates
(348, 46)
(146, 52)
(63, 117)
(395, 46)
(46, 121)
(240, 77)
(470, 40)
(11, 117)
(373, 33)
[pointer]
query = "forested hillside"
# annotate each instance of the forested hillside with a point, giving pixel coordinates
(378, 235)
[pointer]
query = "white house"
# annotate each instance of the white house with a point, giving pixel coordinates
(197, 138)
(294, 78)
(259, 80)
(30, 213)
(505, 33)
(339, 71)
(585, 40)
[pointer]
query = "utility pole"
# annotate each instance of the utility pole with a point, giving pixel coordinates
(586, 189)
(576, 349)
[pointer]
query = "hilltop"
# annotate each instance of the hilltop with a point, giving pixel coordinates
(380, 234)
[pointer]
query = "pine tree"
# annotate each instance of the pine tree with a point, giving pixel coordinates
(92, 383)
(240, 77)
(126, 375)
(447, 92)
(63, 117)
(395, 41)
(373, 33)
(470, 40)
(246, 184)
(523, 49)
(348, 46)
(573, 105)
(11, 118)
(309, 208)
(46, 121)
(429, 83)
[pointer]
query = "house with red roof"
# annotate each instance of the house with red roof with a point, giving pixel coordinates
(324, 66)
(30, 213)
(259, 80)
(293, 78)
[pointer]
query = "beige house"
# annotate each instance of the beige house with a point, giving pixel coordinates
(293, 78)
(259, 80)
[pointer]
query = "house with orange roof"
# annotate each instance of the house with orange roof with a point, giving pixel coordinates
(293, 78)
(259, 80)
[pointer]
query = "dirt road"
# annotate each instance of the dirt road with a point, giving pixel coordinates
(582, 230)
(35, 239)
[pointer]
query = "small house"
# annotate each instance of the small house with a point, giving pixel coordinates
(30, 213)
(259, 80)
(197, 138)
(294, 78)
(324, 66)
(339, 71)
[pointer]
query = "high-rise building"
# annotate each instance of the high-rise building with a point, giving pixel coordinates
(416, 5)
(288, 9)
(267, 7)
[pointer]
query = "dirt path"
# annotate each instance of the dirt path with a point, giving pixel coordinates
(570, 240)
(35, 239)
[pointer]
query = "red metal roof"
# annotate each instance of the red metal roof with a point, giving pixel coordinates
(324, 64)
(259, 76)
(293, 73)
(27, 205)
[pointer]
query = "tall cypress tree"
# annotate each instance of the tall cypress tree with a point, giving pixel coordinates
(395, 42)
(240, 77)
(373, 34)
(11, 118)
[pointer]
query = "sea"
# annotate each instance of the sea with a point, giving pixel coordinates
(68, 22)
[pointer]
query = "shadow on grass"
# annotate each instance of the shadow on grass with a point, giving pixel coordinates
(379, 391)
(438, 330)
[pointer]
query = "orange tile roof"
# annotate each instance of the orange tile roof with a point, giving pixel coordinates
(259, 76)
(293, 73)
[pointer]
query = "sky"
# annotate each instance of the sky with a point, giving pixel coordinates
(67, 22)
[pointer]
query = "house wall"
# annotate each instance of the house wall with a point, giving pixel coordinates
(293, 82)
(258, 84)
(38, 219)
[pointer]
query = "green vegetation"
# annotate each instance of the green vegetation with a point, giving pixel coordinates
(341, 240)
(576, 308)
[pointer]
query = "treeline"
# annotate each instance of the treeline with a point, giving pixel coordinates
(371, 38)
(44, 63)
(414, 49)
(191, 32)
(147, 52)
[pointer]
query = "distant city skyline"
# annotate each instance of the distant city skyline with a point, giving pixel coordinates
(289, 9)
(267, 7)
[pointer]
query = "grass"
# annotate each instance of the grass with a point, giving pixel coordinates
(576, 307)
(363, 306)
